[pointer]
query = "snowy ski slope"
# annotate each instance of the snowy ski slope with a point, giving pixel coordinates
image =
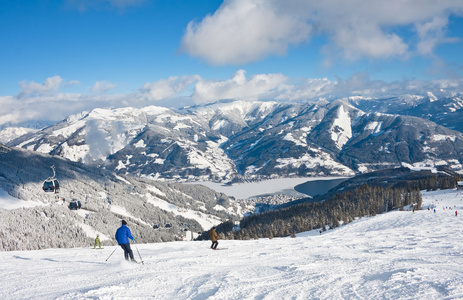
(398, 255)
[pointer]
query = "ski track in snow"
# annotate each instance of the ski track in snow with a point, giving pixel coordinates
(398, 255)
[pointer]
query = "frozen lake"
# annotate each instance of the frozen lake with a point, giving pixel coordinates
(318, 187)
(284, 186)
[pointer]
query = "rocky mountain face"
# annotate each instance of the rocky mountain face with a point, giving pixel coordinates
(445, 111)
(253, 140)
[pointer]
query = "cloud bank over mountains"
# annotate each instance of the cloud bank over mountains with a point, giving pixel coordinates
(50, 101)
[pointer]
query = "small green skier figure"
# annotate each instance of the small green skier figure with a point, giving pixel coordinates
(97, 242)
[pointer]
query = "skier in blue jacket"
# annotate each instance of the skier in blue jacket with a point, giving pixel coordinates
(123, 235)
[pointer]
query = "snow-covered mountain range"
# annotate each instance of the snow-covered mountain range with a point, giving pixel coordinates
(108, 158)
(236, 139)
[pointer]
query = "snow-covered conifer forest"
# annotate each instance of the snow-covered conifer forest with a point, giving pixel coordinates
(44, 220)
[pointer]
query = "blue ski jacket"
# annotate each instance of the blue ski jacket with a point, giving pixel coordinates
(123, 235)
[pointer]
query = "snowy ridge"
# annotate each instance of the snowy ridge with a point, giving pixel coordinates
(397, 255)
(239, 140)
(341, 131)
(10, 133)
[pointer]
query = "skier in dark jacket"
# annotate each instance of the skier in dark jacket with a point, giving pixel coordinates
(214, 237)
(123, 235)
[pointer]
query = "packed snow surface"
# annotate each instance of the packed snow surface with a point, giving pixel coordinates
(9, 202)
(397, 255)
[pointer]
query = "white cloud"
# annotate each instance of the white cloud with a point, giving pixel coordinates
(7, 111)
(33, 88)
(431, 34)
(258, 87)
(72, 83)
(45, 101)
(243, 31)
(103, 86)
(368, 41)
(167, 88)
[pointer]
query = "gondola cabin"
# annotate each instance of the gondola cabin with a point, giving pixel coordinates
(460, 185)
(75, 205)
(51, 186)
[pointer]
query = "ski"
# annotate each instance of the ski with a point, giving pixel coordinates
(134, 262)
(220, 249)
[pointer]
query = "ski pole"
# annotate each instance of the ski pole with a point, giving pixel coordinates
(141, 259)
(112, 253)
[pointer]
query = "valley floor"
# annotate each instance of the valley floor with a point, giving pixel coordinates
(398, 255)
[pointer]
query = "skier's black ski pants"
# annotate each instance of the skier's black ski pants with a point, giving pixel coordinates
(127, 251)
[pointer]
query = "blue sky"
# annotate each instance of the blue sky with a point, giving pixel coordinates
(76, 55)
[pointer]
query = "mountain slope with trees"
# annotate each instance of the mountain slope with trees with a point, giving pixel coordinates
(105, 199)
(361, 196)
